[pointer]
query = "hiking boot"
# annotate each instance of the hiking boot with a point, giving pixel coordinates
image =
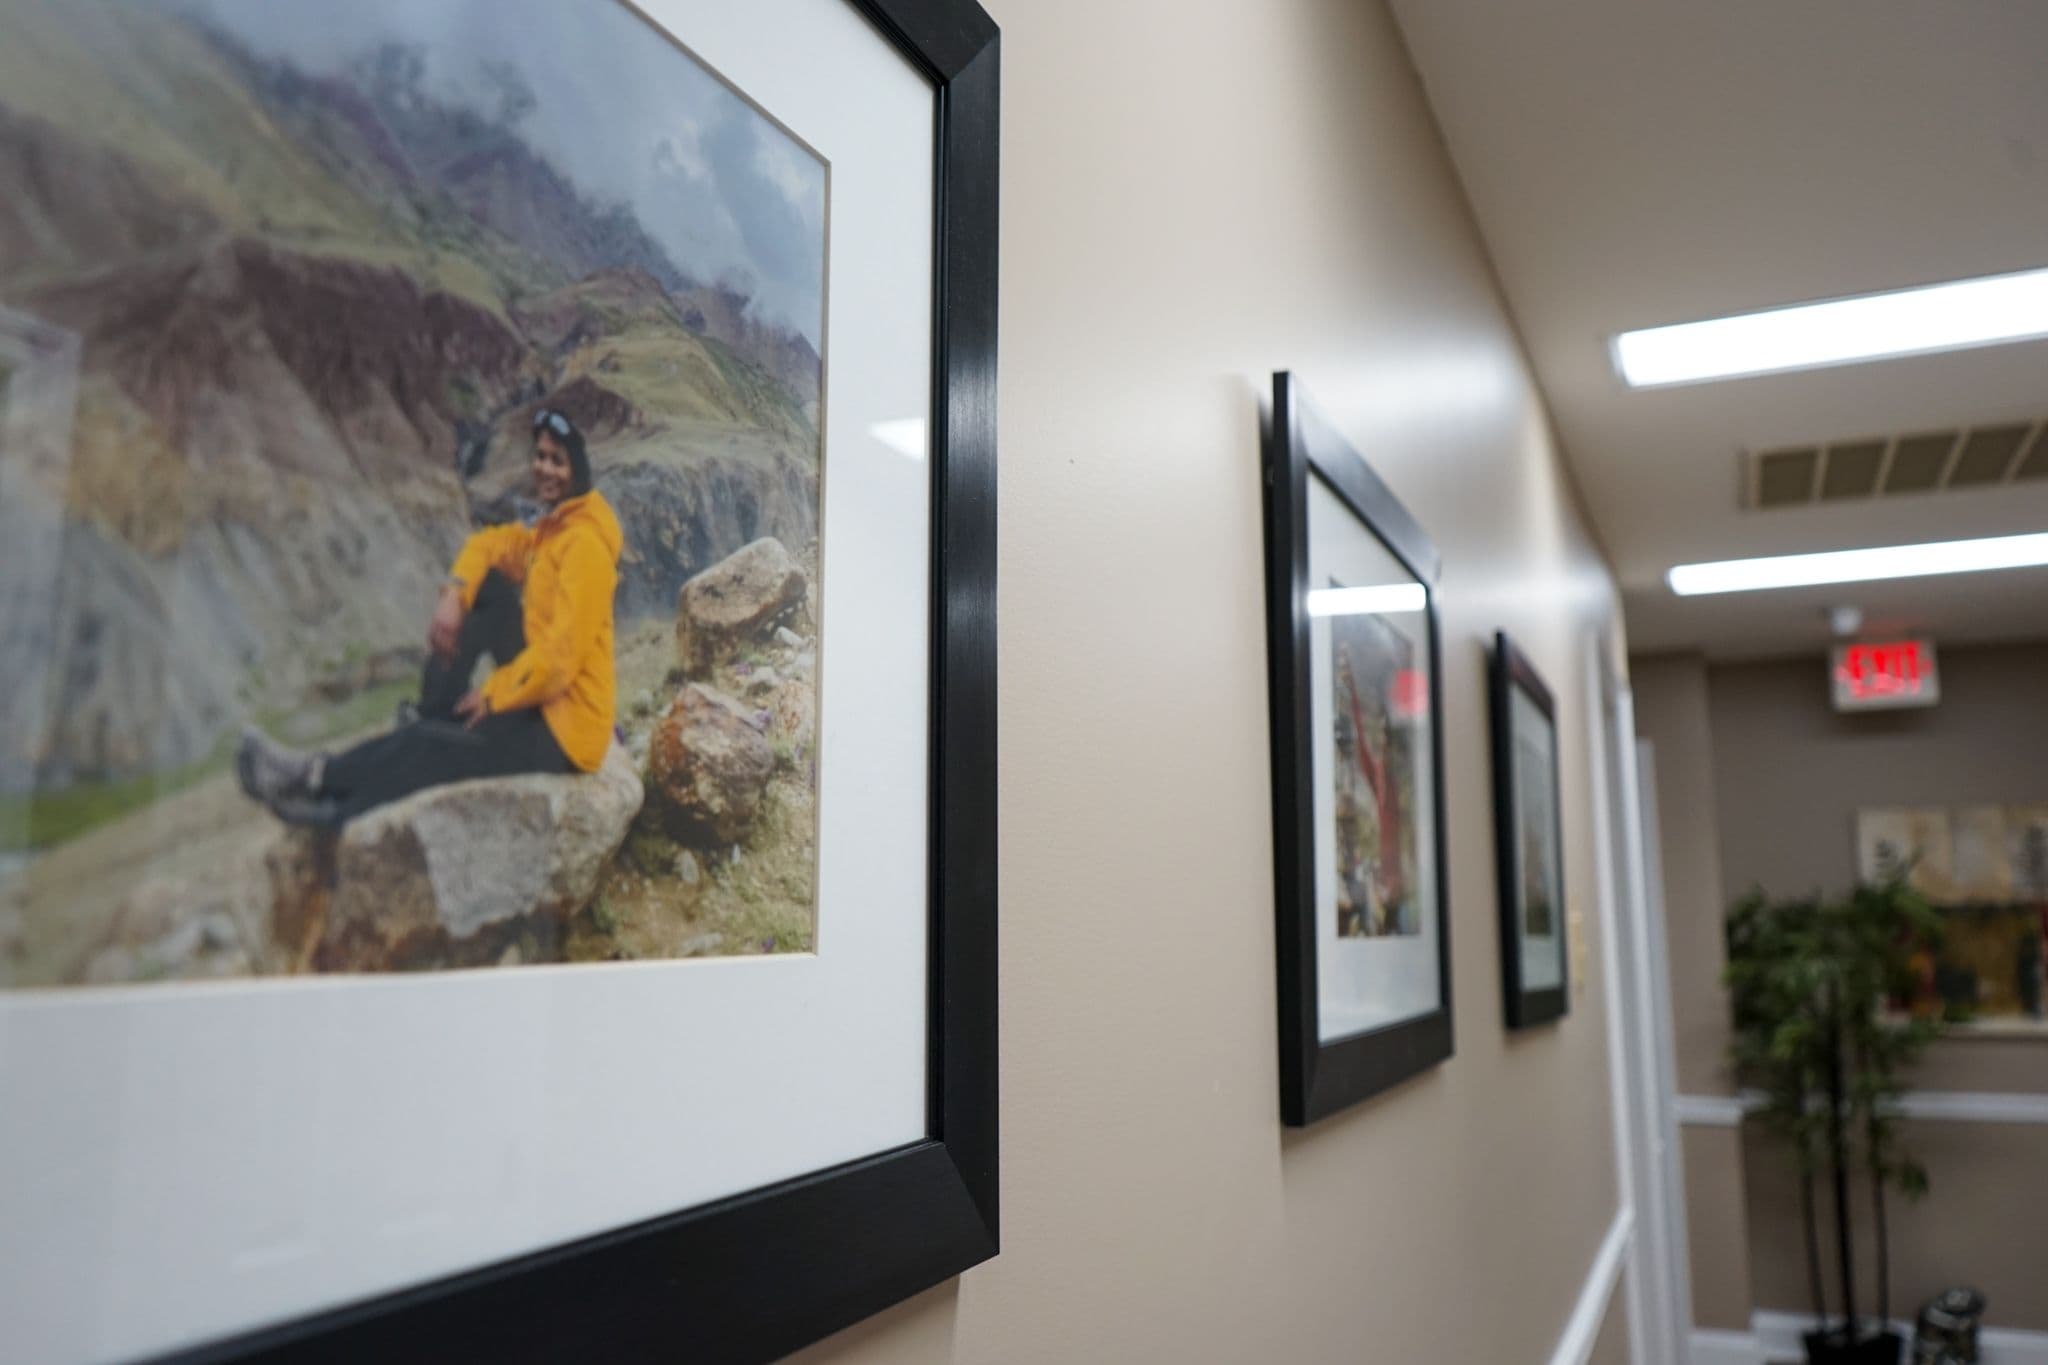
(268, 770)
(306, 810)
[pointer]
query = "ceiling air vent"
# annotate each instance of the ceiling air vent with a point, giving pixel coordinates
(1853, 469)
(1987, 455)
(1886, 466)
(2034, 463)
(1785, 477)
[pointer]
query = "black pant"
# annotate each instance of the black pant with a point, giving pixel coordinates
(495, 625)
(438, 748)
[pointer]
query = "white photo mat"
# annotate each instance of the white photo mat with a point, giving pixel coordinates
(1365, 983)
(182, 1161)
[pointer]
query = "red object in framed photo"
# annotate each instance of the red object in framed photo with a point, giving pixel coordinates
(1410, 694)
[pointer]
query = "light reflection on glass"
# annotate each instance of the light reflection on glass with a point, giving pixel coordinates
(904, 435)
(1378, 599)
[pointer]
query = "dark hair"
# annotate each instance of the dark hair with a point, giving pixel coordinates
(558, 425)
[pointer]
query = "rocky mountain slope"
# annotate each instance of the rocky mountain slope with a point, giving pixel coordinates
(316, 315)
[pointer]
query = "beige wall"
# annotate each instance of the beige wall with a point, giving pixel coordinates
(1610, 1347)
(1717, 1227)
(1672, 713)
(1792, 772)
(1758, 783)
(1195, 194)
(1981, 1225)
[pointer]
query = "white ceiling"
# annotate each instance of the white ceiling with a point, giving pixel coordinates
(1635, 162)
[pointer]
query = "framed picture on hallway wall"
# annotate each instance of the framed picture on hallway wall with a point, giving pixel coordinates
(497, 778)
(1354, 675)
(1528, 838)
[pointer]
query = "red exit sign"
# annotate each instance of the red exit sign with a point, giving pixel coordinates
(1876, 677)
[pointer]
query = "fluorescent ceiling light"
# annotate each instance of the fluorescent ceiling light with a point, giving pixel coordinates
(1860, 566)
(1936, 317)
(1385, 599)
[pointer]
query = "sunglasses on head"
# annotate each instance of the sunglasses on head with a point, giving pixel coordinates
(553, 421)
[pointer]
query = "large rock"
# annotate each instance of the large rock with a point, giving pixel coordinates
(742, 597)
(707, 766)
(448, 877)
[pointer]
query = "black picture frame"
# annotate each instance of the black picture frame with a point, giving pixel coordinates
(1317, 1078)
(1511, 671)
(758, 1275)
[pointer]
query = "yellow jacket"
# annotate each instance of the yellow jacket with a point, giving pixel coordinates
(567, 566)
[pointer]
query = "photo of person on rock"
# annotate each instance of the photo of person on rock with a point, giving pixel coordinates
(538, 601)
(413, 364)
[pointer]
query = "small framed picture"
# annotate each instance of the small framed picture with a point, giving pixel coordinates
(1358, 809)
(1529, 838)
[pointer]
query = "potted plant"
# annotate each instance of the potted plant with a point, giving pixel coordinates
(1809, 981)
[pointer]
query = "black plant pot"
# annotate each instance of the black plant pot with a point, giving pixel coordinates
(1834, 1347)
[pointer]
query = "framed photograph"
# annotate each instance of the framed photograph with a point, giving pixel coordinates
(497, 568)
(1528, 839)
(1355, 679)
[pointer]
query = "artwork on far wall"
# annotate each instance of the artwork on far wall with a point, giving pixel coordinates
(1528, 839)
(1985, 867)
(497, 766)
(1356, 695)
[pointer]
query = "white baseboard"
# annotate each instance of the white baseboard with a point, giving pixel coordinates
(1974, 1107)
(1583, 1327)
(1777, 1338)
(1725, 1348)
(1951, 1106)
(1710, 1111)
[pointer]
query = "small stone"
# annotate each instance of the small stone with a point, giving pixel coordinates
(735, 600)
(785, 636)
(510, 957)
(805, 662)
(111, 965)
(180, 945)
(735, 855)
(687, 869)
(794, 712)
(763, 681)
(234, 962)
(707, 768)
(219, 930)
(699, 945)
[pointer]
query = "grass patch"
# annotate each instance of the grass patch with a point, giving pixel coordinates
(45, 819)
(317, 725)
(763, 903)
(42, 820)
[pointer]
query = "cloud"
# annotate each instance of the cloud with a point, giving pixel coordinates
(623, 112)
(682, 152)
